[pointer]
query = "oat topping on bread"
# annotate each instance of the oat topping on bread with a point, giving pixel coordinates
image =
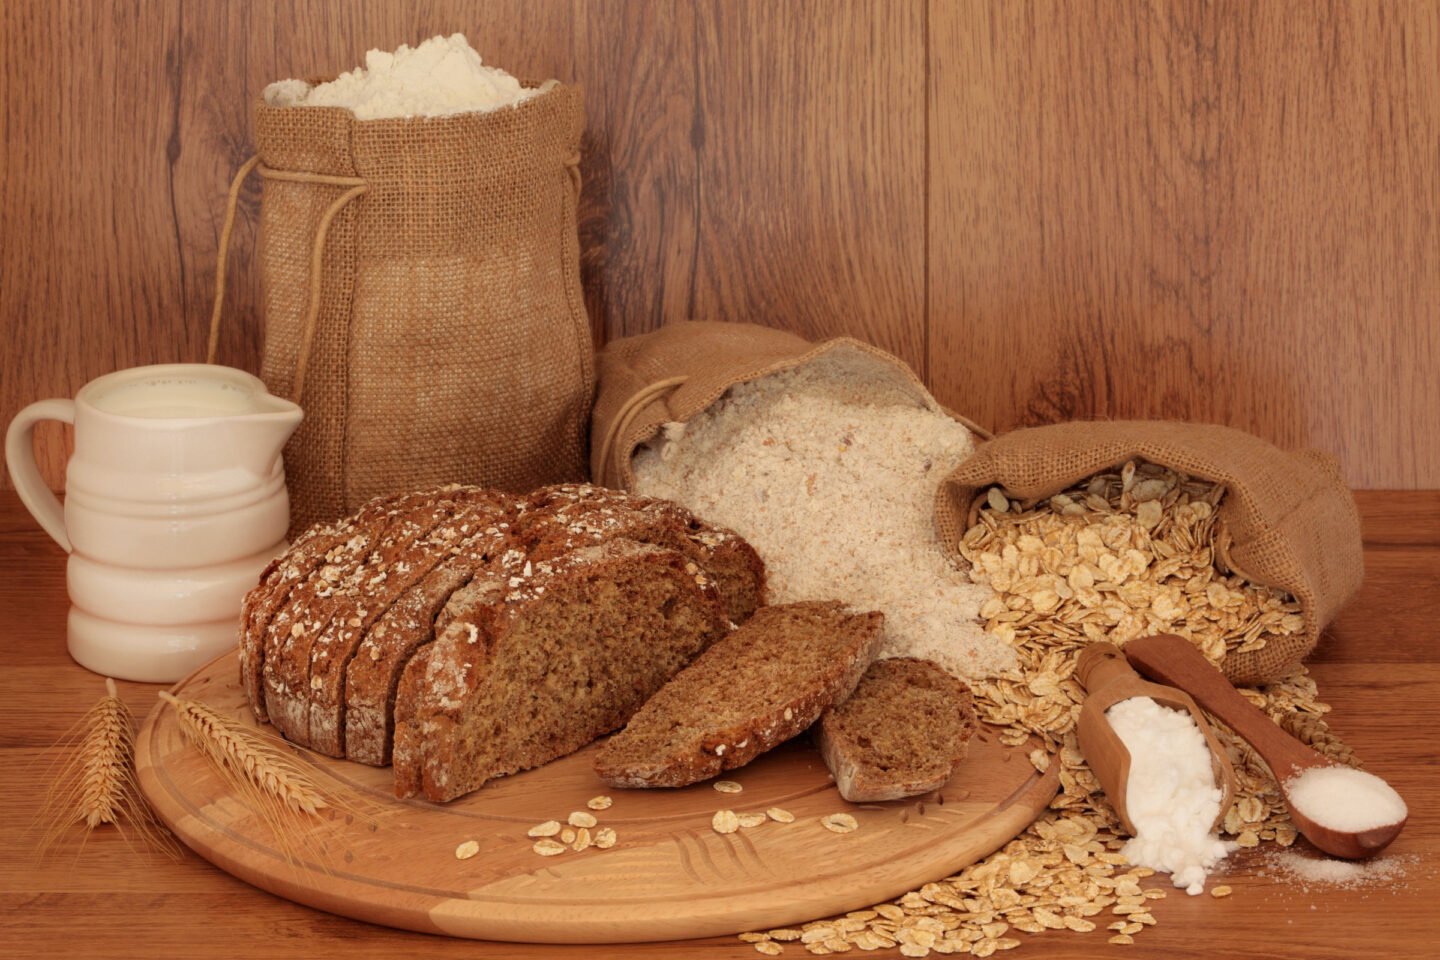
(575, 594)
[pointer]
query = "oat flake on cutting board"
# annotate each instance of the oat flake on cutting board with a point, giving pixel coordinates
(835, 490)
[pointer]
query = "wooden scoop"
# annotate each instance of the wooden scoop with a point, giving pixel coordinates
(1108, 679)
(1176, 661)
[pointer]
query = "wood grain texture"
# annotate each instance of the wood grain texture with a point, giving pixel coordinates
(638, 215)
(810, 134)
(669, 876)
(108, 900)
(1218, 211)
(87, 132)
(1223, 212)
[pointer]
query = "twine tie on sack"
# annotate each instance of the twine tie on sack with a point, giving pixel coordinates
(625, 417)
(572, 167)
(434, 331)
(317, 255)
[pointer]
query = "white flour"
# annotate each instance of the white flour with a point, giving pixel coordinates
(835, 489)
(442, 76)
(1171, 795)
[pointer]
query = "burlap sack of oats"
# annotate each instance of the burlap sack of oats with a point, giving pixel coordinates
(1287, 519)
(450, 341)
(673, 373)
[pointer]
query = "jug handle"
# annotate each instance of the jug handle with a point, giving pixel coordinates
(25, 474)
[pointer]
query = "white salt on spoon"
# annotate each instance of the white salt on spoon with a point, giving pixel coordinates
(1341, 798)
(1161, 767)
(1343, 812)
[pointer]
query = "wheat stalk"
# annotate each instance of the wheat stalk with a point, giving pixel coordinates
(105, 759)
(264, 775)
(96, 783)
(242, 754)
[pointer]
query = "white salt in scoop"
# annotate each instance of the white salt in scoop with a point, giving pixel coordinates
(1162, 770)
(1171, 794)
(1341, 798)
(1344, 812)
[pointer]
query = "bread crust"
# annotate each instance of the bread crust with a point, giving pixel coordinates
(277, 581)
(372, 677)
(567, 517)
(423, 542)
(440, 721)
(344, 634)
(625, 761)
(857, 776)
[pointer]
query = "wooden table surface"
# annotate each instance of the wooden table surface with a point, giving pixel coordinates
(1379, 667)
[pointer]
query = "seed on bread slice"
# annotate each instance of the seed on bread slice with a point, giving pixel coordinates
(538, 658)
(566, 517)
(901, 733)
(373, 675)
(761, 685)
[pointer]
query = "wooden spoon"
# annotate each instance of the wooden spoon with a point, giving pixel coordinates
(1175, 661)
(1108, 679)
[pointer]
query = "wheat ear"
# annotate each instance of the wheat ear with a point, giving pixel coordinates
(105, 759)
(248, 757)
(96, 784)
(264, 775)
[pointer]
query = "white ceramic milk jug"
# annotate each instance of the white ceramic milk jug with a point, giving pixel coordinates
(174, 502)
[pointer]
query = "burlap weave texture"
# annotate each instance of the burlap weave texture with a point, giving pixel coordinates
(1287, 519)
(702, 360)
(451, 342)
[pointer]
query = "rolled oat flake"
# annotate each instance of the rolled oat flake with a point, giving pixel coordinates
(1342, 798)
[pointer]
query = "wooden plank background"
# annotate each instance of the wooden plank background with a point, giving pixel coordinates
(1222, 211)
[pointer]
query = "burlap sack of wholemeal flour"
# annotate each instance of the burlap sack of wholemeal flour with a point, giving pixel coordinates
(451, 341)
(1287, 519)
(679, 370)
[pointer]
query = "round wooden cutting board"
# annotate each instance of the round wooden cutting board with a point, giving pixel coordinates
(669, 876)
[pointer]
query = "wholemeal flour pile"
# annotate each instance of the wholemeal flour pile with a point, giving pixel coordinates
(836, 492)
(442, 76)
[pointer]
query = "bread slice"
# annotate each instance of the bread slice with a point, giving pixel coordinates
(286, 573)
(566, 517)
(321, 612)
(901, 733)
(463, 512)
(763, 684)
(373, 674)
(538, 658)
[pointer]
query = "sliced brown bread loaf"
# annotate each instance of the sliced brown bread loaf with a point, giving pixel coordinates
(901, 733)
(355, 607)
(322, 609)
(287, 609)
(400, 563)
(538, 658)
(566, 517)
(373, 674)
(763, 684)
(295, 567)
(321, 546)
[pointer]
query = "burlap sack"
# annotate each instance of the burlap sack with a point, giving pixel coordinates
(678, 371)
(1287, 520)
(450, 341)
